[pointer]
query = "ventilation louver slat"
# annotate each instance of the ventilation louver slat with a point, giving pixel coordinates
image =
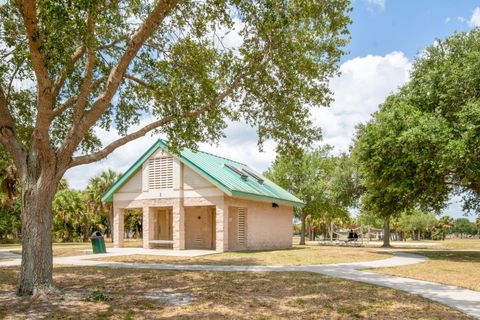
(242, 226)
(160, 173)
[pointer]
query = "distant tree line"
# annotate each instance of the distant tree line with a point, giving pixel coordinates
(76, 213)
(418, 225)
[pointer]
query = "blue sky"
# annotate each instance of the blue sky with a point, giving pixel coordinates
(380, 27)
(386, 36)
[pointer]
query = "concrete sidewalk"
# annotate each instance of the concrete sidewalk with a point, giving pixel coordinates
(467, 301)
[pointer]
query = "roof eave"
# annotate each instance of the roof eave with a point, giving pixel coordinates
(108, 195)
(255, 196)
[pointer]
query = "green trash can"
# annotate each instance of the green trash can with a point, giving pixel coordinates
(98, 242)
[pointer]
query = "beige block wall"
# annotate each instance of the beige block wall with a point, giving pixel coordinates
(267, 227)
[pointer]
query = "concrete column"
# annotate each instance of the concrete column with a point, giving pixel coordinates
(118, 226)
(178, 225)
(178, 213)
(221, 217)
(147, 224)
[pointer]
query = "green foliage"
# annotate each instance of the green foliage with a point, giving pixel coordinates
(98, 296)
(97, 186)
(463, 226)
(133, 222)
(287, 53)
(76, 214)
(369, 219)
(10, 226)
(70, 218)
(443, 227)
(416, 223)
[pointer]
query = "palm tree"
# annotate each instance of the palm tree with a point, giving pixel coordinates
(477, 223)
(97, 186)
(68, 209)
(445, 223)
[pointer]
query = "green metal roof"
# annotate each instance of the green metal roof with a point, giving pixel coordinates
(214, 169)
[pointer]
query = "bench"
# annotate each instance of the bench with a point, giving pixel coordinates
(161, 241)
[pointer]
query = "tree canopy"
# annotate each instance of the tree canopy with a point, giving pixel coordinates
(423, 144)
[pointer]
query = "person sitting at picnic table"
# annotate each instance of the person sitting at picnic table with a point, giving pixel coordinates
(355, 236)
(350, 235)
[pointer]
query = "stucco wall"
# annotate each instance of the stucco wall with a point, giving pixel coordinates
(267, 227)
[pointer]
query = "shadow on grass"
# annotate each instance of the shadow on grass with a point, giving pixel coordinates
(451, 255)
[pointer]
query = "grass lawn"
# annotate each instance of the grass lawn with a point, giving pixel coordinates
(458, 268)
(460, 244)
(101, 293)
(298, 255)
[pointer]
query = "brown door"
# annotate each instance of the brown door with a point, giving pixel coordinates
(199, 228)
(237, 228)
(162, 224)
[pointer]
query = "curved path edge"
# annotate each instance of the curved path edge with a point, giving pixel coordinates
(464, 300)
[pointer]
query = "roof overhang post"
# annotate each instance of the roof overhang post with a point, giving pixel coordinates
(179, 212)
(221, 225)
(118, 226)
(148, 225)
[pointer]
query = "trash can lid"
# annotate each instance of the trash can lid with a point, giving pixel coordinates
(96, 234)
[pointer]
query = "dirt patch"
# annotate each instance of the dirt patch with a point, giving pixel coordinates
(169, 296)
(156, 294)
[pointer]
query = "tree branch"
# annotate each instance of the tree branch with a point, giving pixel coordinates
(77, 55)
(87, 79)
(80, 160)
(116, 75)
(10, 84)
(70, 102)
(63, 76)
(8, 136)
(28, 10)
(148, 27)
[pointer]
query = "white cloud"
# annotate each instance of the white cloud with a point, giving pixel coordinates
(362, 86)
(475, 18)
(364, 83)
(448, 19)
(377, 3)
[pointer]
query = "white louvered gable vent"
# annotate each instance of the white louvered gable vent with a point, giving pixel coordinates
(160, 173)
(242, 226)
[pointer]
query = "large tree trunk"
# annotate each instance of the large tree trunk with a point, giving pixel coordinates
(38, 190)
(303, 219)
(386, 232)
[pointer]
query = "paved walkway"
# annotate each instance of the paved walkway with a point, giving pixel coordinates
(467, 301)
